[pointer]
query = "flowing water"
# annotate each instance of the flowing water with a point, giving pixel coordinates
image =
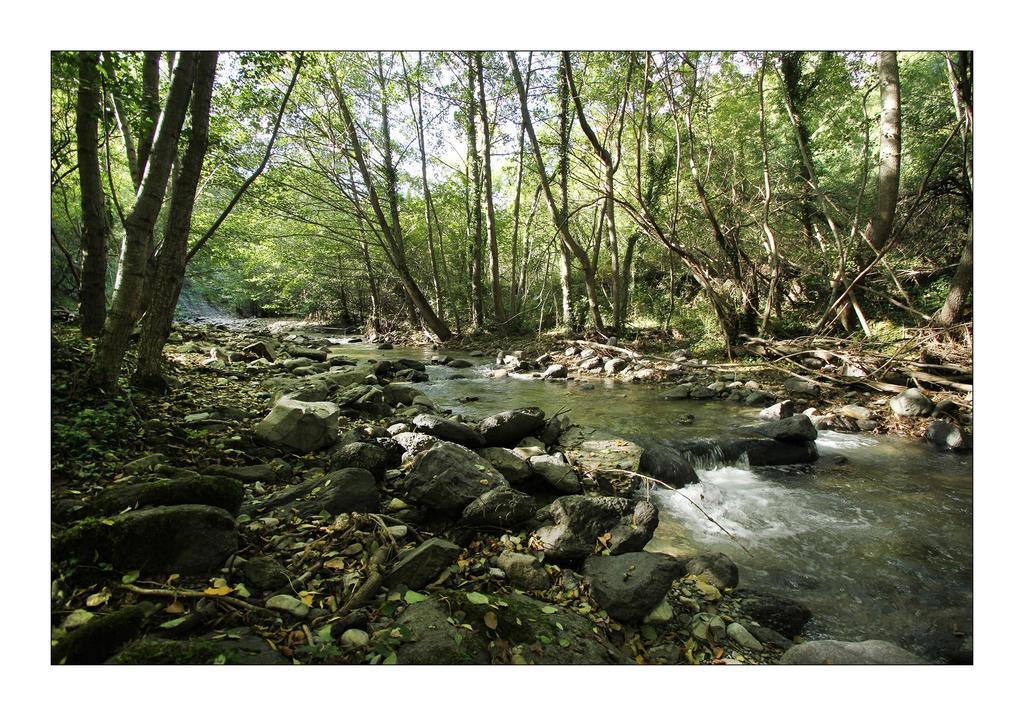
(878, 546)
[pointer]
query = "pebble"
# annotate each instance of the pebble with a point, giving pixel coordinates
(661, 614)
(398, 531)
(709, 591)
(355, 639)
(288, 603)
(739, 634)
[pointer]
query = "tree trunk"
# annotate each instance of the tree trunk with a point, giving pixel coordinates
(476, 234)
(150, 110)
(492, 232)
(773, 247)
(391, 235)
(960, 288)
(171, 260)
(95, 229)
(880, 226)
(127, 300)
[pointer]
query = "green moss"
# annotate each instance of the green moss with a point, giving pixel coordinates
(168, 651)
(95, 641)
(224, 492)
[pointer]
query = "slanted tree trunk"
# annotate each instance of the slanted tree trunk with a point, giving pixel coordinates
(492, 231)
(169, 275)
(92, 294)
(126, 304)
(391, 236)
(880, 226)
(953, 308)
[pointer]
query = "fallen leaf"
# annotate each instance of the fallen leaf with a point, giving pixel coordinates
(218, 591)
(336, 563)
(130, 577)
(412, 597)
(98, 599)
(477, 598)
(491, 620)
(175, 607)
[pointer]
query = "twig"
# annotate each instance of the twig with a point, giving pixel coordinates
(193, 594)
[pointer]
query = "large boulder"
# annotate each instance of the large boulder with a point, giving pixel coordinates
(778, 411)
(514, 468)
(418, 567)
(222, 492)
(576, 526)
(299, 425)
(434, 640)
(396, 394)
(447, 477)
(795, 429)
(768, 451)
(506, 429)
(247, 474)
(599, 454)
(629, 586)
(245, 650)
(832, 652)
(313, 354)
(557, 473)
(667, 465)
(555, 371)
(449, 430)
(367, 456)
(350, 490)
(414, 443)
(500, 507)
(187, 539)
(680, 392)
(911, 403)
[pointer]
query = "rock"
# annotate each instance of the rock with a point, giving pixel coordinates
(554, 428)
(945, 435)
(556, 472)
(414, 443)
(667, 465)
(854, 412)
(439, 359)
(800, 388)
(739, 634)
(287, 603)
(629, 586)
(553, 371)
(512, 467)
(946, 408)
(524, 571)
(246, 474)
(419, 566)
(783, 615)
(187, 539)
(460, 363)
(758, 397)
(590, 363)
(97, 640)
(350, 490)
(301, 426)
(506, 429)
(246, 649)
(572, 525)
(384, 346)
(768, 451)
(396, 394)
(779, 411)
(146, 463)
(367, 456)
(709, 628)
(615, 365)
(703, 393)
(434, 640)
(910, 403)
(355, 639)
(661, 614)
(448, 430)
(500, 507)
(447, 477)
(796, 429)
(769, 636)
(313, 354)
(714, 568)
(222, 492)
(599, 454)
(265, 574)
(849, 652)
(412, 363)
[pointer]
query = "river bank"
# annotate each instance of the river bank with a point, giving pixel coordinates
(487, 572)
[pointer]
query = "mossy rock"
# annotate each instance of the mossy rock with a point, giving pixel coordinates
(541, 633)
(247, 650)
(216, 491)
(97, 639)
(435, 640)
(187, 539)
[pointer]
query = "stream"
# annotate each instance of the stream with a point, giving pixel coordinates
(879, 546)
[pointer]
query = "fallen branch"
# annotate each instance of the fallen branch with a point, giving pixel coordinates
(193, 594)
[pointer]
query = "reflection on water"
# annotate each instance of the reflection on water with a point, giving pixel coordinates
(879, 547)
